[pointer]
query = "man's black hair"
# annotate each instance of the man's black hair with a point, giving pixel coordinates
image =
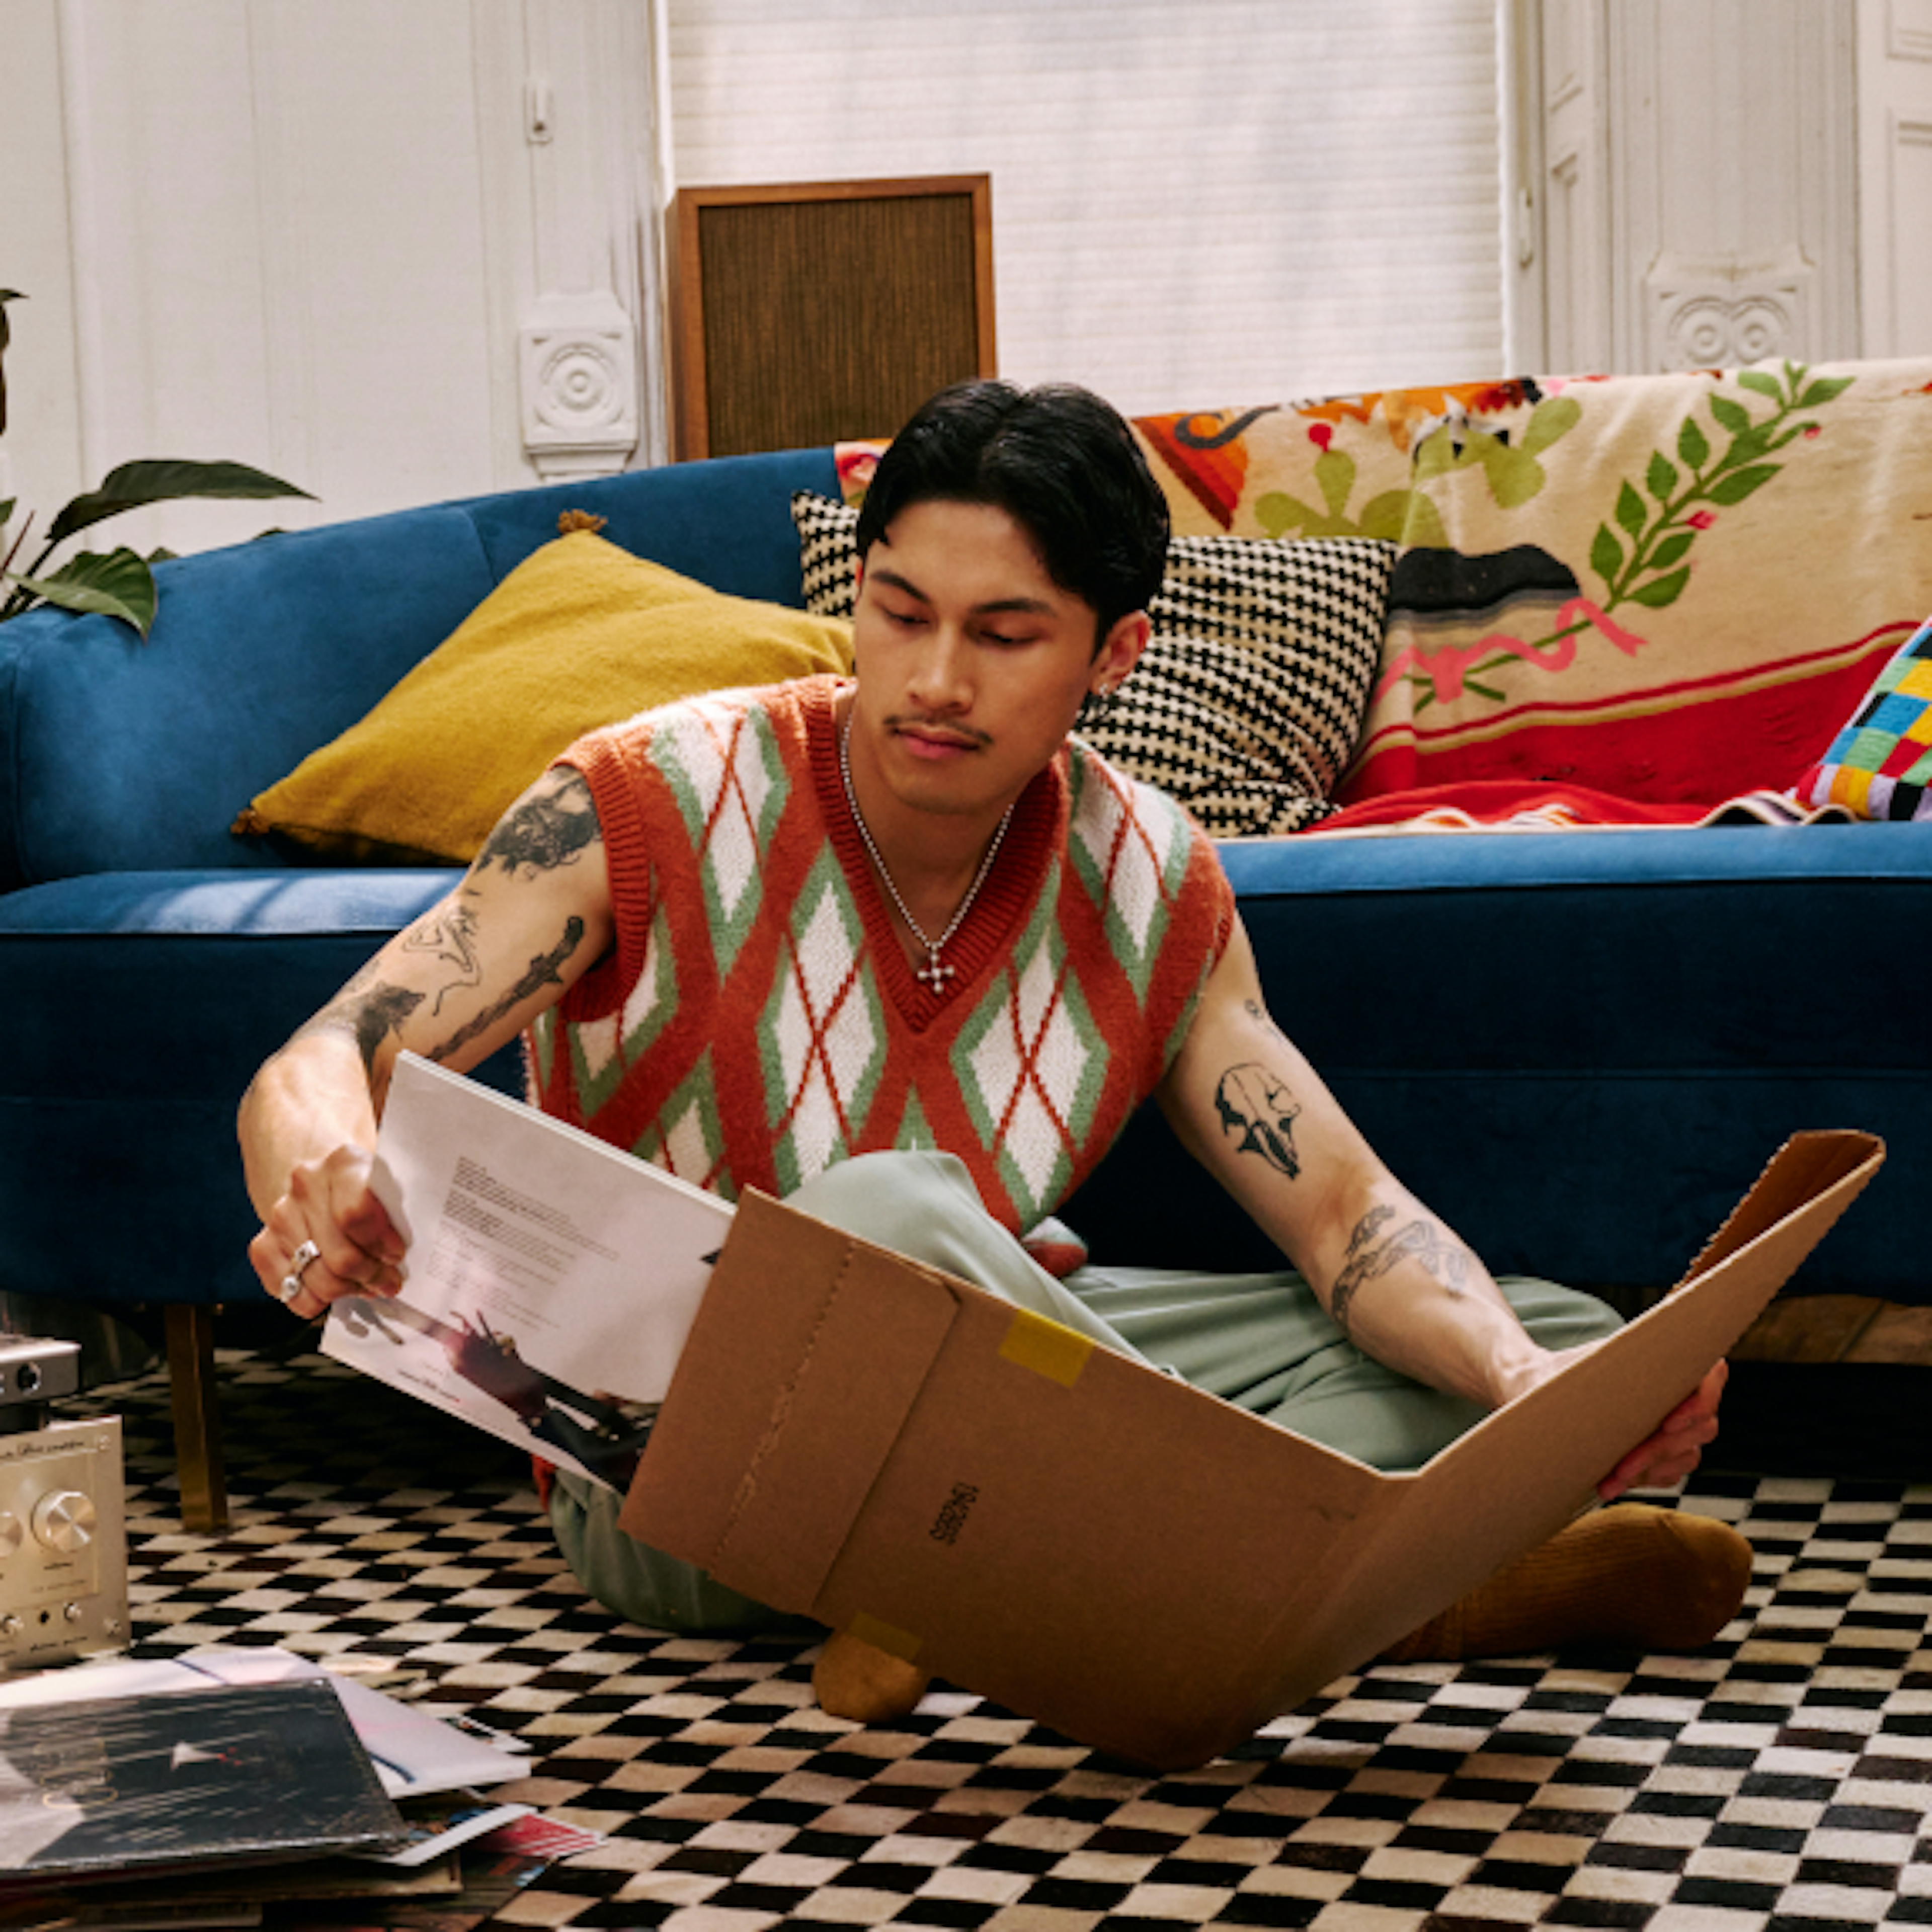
(1061, 463)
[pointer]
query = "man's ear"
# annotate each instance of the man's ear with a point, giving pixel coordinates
(1120, 651)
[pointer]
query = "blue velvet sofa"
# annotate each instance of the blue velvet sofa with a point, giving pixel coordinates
(1580, 1047)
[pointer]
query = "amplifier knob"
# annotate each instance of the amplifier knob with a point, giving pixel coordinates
(11, 1534)
(64, 1521)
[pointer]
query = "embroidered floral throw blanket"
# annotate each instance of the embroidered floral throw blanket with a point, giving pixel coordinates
(1641, 596)
(1668, 590)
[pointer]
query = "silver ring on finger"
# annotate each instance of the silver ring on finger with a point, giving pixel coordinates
(291, 1283)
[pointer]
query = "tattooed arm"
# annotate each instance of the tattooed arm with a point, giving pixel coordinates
(528, 919)
(1398, 1281)
(1400, 1284)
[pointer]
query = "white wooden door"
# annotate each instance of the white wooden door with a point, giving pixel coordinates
(1895, 175)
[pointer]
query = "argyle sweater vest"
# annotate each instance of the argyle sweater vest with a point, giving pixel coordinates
(758, 1021)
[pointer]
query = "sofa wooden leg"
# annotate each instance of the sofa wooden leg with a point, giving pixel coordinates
(198, 1465)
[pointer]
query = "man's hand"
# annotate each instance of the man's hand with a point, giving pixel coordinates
(1674, 1451)
(330, 1209)
(1662, 1459)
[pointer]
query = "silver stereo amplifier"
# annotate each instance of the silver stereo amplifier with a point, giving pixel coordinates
(63, 1534)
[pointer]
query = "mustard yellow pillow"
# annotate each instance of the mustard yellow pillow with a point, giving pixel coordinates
(580, 635)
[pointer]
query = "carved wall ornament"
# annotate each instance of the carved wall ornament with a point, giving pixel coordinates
(1711, 314)
(577, 360)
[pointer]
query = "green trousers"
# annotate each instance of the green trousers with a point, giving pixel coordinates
(1262, 1341)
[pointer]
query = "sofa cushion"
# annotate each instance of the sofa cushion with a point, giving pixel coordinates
(579, 634)
(1247, 703)
(724, 521)
(1880, 765)
(157, 995)
(1580, 1048)
(1670, 589)
(117, 755)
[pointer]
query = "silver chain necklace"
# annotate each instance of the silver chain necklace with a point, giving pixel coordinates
(933, 974)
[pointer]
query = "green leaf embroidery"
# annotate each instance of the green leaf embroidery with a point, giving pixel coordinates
(1335, 478)
(1691, 445)
(1662, 590)
(1671, 550)
(1764, 385)
(1606, 555)
(1823, 390)
(1631, 512)
(1661, 478)
(1740, 483)
(1406, 517)
(1554, 416)
(1731, 415)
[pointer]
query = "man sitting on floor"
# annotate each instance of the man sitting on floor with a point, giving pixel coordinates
(936, 857)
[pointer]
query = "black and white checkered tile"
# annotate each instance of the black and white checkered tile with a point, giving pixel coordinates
(1779, 1779)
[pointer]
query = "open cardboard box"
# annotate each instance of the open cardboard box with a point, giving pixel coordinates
(862, 1440)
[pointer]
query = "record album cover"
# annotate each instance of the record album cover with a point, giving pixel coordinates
(239, 1773)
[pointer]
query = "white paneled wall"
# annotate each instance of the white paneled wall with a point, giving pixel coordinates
(401, 249)
(1195, 202)
(393, 252)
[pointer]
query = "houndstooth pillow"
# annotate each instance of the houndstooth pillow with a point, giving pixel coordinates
(1249, 696)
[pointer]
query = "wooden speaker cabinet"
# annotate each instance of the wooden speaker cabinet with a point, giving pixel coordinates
(826, 312)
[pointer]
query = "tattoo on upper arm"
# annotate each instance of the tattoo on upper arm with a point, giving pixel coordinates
(1432, 1248)
(449, 934)
(545, 970)
(1262, 1017)
(1253, 1104)
(553, 829)
(368, 1012)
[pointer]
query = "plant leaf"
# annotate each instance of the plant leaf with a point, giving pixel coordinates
(1823, 390)
(118, 584)
(1662, 590)
(1671, 550)
(1692, 445)
(135, 484)
(1606, 555)
(1631, 512)
(1335, 478)
(1385, 515)
(1765, 385)
(1731, 415)
(1278, 513)
(1740, 483)
(1553, 417)
(1661, 478)
(6, 336)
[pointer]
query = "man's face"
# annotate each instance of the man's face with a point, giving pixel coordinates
(972, 662)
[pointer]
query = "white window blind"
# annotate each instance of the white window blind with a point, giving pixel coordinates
(1196, 203)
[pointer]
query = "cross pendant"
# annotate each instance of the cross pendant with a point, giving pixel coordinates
(935, 973)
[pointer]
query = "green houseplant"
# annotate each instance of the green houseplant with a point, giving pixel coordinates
(117, 582)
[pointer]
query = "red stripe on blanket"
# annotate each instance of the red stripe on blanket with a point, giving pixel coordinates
(1498, 801)
(1706, 740)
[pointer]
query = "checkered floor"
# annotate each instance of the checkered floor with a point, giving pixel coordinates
(1779, 1779)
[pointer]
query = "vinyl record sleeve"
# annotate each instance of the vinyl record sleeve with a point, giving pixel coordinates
(239, 1774)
